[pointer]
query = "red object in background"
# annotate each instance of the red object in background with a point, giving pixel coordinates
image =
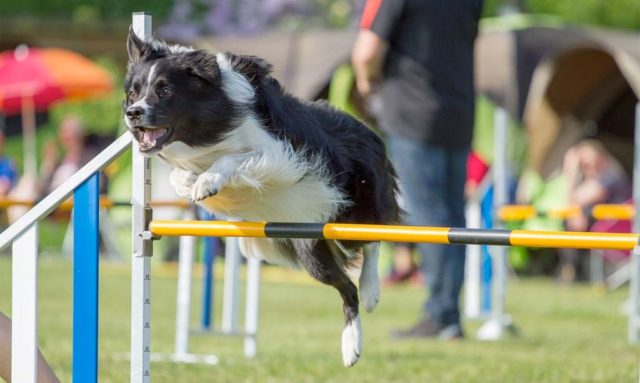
(477, 168)
(41, 77)
(33, 79)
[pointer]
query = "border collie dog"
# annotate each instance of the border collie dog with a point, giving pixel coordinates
(240, 146)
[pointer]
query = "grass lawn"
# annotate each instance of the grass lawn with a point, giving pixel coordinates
(568, 334)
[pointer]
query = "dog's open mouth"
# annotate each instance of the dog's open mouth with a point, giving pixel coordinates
(151, 139)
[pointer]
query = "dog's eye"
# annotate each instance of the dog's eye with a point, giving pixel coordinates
(131, 95)
(165, 92)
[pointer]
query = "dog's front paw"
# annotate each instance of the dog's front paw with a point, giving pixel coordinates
(351, 342)
(182, 182)
(207, 185)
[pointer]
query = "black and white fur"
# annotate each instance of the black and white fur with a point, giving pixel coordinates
(241, 146)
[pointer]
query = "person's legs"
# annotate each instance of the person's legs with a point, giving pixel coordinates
(444, 264)
(453, 268)
(432, 182)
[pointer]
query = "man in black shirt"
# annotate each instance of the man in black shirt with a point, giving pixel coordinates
(416, 56)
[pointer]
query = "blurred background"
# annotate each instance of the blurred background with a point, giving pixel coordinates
(561, 69)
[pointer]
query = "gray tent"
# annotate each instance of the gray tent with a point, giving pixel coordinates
(588, 88)
(302, 61)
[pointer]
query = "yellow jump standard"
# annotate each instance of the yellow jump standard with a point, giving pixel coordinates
(358, 232)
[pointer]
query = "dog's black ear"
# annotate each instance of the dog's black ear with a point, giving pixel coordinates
(135, 46)
(252, 67)
(203, 65)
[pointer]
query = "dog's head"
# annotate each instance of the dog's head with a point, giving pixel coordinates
(174, 94)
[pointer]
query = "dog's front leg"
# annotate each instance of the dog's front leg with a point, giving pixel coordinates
(182, 181)
(213, 180)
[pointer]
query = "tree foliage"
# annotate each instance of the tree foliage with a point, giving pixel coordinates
(610, 13)
(332, 13)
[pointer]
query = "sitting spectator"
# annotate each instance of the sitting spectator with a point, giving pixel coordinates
(593, 176)
(8, 178)
(54, 169)
(7, 170)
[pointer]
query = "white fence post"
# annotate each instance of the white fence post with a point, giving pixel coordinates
(24, 307)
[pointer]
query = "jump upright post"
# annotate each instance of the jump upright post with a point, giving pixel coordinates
(142, 247)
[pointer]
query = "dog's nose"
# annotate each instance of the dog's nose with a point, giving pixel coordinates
(134, 112)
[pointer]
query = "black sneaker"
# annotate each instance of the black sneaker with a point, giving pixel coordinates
(429, 328)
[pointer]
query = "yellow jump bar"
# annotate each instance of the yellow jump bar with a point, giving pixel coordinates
(598, 212)
(356, 232)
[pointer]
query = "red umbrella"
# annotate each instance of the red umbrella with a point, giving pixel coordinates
(33, 79)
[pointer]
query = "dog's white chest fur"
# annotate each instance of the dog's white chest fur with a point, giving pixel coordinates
(267, 179)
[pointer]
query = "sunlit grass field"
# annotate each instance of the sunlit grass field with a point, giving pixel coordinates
(567, 333)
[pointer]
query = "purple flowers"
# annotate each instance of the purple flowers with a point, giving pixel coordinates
(191, 18)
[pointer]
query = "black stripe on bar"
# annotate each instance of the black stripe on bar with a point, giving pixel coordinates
(479, 237)
(293, 230)
(587, 211)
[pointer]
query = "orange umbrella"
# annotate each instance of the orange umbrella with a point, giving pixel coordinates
(33, 79)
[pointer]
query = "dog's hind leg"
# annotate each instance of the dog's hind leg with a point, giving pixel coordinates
(320, 261)
(369, 279)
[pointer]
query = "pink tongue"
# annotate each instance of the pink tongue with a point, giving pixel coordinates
(149, 136)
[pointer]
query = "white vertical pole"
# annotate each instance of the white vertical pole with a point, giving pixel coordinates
(230, 293)
(634, 285)
(494, 327)
(252, 305)
(500, 198)
(142, 248)
(634, 295)
(472, 264)
(183, 308)
(24, 306)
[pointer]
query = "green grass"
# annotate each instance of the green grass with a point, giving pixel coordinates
(568, 334)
